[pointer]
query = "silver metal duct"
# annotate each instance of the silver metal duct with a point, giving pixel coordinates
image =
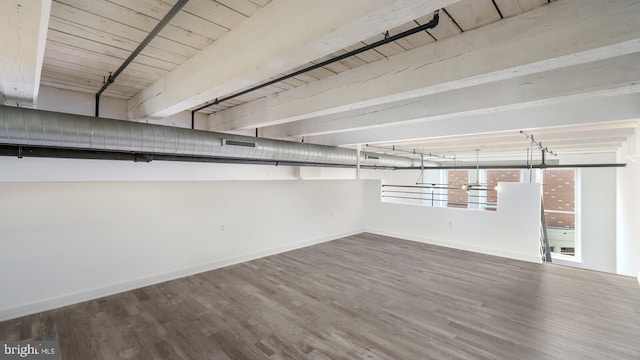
(28, 127)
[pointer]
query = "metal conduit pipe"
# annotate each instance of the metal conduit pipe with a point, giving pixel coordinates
(497, 166)
(163, 22)
(387, 39)
(28, 127)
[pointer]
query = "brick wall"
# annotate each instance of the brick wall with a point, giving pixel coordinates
(559, 194)
(457, 178)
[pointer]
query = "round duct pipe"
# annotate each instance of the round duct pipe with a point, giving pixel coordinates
(28, 127)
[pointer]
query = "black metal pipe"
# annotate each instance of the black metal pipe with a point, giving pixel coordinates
(414, 152)
(193, 120)
(439, 195)
(430, 25)
(411, 192)
(615, 165)
(97, 105)
(450, 203)
(472, 188)
(498, 167)
(497, 9)
(67, 153)
(440, 187)
(436, 187)
(393, 193)
(163, 22)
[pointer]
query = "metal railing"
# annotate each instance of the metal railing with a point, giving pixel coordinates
(545, 251)
(438, 195)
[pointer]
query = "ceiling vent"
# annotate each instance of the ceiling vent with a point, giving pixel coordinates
(238, 143)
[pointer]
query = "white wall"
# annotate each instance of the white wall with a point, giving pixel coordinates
(67, 242)
(30, 169)
(76, 170)
(395, 177)
(406, 177)
(596, 220)
(628, 210)
(82, 229)
(73, 102)
(512, 231)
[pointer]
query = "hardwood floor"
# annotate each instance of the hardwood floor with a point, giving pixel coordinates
(361, 297)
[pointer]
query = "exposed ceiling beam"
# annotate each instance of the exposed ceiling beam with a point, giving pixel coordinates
(497, 145)
(23, 34)
(589, 111)
(283, 35)
(544, 39)
(612, 143)
(614, 129)
(602, 78)
(472, 146)
(498, 142)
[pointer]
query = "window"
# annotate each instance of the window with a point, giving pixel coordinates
(483, 198)
(559, 199)
(457, 197)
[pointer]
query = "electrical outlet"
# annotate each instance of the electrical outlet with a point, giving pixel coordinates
(450, 223)
(222, 228)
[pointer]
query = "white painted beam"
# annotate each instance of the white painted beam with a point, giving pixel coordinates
(620, 75)
(563, 33)
(587, 111)
(23, 34)
(513, 140)
(283, 35)
(612, 144)
(566, 133)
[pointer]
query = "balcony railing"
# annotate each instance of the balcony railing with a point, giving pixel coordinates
(440, 195)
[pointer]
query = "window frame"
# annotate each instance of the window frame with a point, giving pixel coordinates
(577, 257)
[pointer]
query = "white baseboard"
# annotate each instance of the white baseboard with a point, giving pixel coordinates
(460, 246)
(91, 294)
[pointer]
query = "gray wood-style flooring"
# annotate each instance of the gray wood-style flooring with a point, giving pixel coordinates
(361, 297)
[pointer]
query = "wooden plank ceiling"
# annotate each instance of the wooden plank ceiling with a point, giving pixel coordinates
(89, 39)
(578, 139)
(462, 16)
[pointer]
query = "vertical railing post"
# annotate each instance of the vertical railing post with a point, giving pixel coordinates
(544, 240)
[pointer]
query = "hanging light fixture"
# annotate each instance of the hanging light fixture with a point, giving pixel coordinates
(469, 187)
